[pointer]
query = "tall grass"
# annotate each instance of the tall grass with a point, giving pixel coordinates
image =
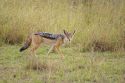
(99, 23)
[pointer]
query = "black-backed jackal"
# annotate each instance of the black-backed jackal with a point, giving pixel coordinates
(55, 40)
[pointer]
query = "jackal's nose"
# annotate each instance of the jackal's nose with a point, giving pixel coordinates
(69, 40)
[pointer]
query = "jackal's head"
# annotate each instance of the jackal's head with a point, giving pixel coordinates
(69, 35)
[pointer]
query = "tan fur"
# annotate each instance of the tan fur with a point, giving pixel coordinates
(36, 40)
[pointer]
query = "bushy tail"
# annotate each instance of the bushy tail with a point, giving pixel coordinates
(26, 44)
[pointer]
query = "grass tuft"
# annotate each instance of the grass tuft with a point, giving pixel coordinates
(36, 64)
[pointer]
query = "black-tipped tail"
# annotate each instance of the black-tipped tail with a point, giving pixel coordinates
(26, 45)
(22, 49)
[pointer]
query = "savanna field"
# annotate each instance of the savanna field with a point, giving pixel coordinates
(95, 55)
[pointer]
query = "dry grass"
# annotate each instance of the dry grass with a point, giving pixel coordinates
(94, 20)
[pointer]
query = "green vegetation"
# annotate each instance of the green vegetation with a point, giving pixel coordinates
(76, 67)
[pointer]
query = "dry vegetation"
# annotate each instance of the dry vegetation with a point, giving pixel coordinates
(100, 26)
(98, 22)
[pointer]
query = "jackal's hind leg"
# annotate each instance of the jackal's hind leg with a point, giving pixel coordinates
(33, 51)
(36, 41)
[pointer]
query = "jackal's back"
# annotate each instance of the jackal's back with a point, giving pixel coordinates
(50, 35)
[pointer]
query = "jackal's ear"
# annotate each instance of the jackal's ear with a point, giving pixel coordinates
(65, 32)
(74, 32)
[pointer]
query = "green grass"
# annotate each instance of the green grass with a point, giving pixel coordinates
(75, 67)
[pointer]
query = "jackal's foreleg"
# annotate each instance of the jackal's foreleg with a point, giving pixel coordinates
(59, 52)
(51, 49)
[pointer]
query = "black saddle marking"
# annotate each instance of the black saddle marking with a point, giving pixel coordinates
(50, 35)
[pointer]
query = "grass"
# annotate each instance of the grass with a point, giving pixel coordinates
(99, 26)
(76, 67)
(94, 20)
